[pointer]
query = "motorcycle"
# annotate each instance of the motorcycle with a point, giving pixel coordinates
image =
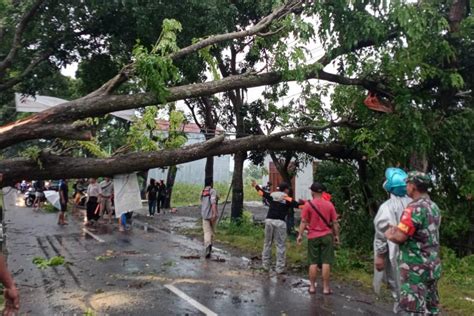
(30, 197)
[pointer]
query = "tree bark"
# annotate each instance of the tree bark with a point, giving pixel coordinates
(282, 168)
(238, 185)
(57, 167)
(170, 179)
(366, 190)
(210, 125)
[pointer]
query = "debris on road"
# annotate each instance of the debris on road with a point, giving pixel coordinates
(218, 259)
(43, 263)
(191, 257)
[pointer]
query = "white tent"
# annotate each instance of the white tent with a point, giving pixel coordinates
(38, 103)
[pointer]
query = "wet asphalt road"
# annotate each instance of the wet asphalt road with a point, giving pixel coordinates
(142, 272)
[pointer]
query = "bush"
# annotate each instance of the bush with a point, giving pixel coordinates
(457, 271)
(243, 227)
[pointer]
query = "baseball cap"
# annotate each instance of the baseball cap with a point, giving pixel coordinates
(317, 187)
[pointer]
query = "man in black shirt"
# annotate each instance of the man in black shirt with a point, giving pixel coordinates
(152, 193)
(63, 198)
(275, 225)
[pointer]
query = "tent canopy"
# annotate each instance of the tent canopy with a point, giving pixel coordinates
(38, 103)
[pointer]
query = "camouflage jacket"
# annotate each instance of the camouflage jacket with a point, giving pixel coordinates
(420, 221)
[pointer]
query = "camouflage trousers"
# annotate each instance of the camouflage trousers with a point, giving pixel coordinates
(418, 291)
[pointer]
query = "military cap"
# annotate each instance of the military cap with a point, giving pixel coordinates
(418, 177)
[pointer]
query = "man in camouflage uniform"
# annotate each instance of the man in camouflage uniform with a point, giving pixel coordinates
(418, 237)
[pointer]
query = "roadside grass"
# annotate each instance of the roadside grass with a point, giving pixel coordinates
(185, 194)
(353, 266)
(49, 208)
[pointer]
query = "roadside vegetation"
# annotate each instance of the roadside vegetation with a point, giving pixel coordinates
(185, 194)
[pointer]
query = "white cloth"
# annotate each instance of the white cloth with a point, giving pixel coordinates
(127, 194)
(389, 213)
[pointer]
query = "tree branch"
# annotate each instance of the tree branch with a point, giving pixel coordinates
(126, 72)
(13, 81)
(55, 167)
(17, 37)
(104, 104)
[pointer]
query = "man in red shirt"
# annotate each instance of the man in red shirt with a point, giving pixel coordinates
(319, 217)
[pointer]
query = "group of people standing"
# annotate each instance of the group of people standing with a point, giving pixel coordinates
(406, 244)
(156, 196)
(99, 200)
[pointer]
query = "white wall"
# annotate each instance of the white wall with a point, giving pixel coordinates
(193, 172)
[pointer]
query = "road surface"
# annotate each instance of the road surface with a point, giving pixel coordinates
(143, 272)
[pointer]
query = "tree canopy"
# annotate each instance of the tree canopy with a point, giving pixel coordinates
(416, 58)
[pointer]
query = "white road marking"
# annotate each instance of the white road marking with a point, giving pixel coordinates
(190, 300)
(93, 235)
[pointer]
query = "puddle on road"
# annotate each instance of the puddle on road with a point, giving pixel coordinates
(182, 222)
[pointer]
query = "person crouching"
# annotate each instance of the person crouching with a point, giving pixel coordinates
(275, 225)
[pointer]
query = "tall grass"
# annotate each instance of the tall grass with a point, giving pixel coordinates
(185, 194)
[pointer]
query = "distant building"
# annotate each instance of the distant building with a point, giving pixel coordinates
(193, 172)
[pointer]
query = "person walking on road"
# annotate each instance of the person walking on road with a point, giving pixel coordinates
(319, 217)
(152, 195)
(10, 292)
(209, 201)
(418, 237)
(161, 195)
(385, 251)
(93, 194)
(275, 225)
(39, 195)
(107, 189)
(63, 199)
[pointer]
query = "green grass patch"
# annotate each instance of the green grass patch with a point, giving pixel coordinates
(49, 208)
(355, 266)
(185, 194)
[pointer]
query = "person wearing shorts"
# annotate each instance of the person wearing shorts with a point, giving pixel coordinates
(107, 189)
(39, 195)
(319, 217)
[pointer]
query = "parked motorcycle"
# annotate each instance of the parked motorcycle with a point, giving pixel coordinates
(30, 197)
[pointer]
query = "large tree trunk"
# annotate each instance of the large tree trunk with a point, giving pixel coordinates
(209, 169)
(44, 124)
(366, 190)
(238, 185)
(170, 179)
(50, 166)
(282, 168)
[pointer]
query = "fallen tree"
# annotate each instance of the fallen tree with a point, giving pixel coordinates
(50, 166)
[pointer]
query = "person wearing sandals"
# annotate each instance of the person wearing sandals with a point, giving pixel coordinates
(319, 217)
